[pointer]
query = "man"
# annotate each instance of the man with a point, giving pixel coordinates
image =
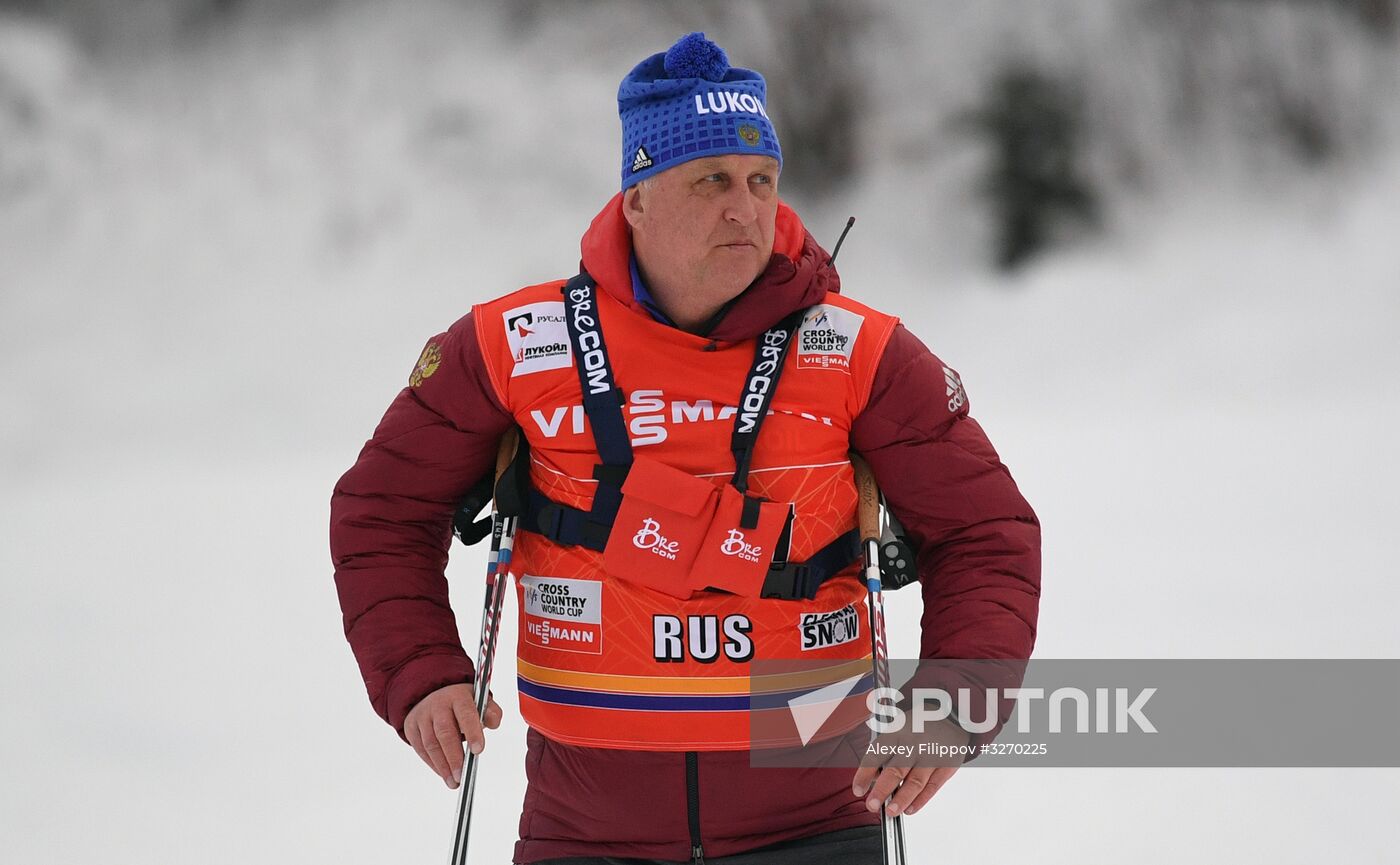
(725, 380)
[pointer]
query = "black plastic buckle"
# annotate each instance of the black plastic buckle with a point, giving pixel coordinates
(549, 518)
(788, 583)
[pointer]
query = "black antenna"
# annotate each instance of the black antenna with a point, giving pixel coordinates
(842, 239)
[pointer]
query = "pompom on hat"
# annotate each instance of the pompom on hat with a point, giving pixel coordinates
(688, 103)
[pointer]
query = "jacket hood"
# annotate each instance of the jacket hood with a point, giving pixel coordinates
(798, 275)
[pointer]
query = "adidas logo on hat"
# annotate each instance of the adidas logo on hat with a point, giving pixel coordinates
(641, 160)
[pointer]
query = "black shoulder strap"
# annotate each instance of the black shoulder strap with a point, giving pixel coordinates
(602, 398)
(602, 402)
(759, 386)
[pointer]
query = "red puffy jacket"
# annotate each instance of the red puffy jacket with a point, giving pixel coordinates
(978, 544)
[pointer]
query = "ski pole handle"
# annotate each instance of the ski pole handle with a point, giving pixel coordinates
(510, 442)
(868, 501)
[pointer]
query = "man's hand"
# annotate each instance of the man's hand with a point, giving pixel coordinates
(912, 786)
(438, 724)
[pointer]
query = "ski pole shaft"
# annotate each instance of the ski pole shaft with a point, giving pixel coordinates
(868, 519)
(497, 582)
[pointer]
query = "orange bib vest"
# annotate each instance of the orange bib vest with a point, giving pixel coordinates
(608, 662)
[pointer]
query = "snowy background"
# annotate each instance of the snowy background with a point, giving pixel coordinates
(227, 229)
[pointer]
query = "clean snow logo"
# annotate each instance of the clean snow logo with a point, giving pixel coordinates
(956, 395)
(537, 337)
(562, 614)
(649, 537)
(738, 546)
(827, 337)
(641, 160)
(823, 630)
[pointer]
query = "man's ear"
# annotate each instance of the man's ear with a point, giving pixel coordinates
(632, 205)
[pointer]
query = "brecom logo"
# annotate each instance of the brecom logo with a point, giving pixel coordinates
(537, 337)
(649, 537)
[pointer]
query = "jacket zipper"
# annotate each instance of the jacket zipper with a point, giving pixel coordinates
(692, 806)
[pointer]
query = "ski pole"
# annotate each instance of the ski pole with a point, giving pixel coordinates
(868, 517)
(497, 582)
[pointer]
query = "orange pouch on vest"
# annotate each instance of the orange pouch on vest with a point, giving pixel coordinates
(734, 557)
(664, 517)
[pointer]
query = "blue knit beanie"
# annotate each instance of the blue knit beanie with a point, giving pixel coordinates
(689, 103)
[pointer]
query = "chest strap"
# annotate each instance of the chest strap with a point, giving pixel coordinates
(602, 403)
(786, 580)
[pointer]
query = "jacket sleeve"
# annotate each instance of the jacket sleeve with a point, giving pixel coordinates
(391, 519)
(976, 539)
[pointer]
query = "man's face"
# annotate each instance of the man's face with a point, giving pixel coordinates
(706, 225)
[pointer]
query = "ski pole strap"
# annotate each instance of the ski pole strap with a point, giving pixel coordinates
(759, 386)
(465, 524)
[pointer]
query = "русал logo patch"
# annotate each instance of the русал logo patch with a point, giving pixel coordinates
(537, 337)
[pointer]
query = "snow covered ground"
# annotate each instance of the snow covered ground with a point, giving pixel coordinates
(218, 264)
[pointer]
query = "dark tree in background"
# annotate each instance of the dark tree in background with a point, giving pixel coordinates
(814, 82)
(1380, 16)
(1031, 127)
(108, 24)
(1177, 92)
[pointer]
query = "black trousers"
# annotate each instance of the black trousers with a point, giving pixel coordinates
(858, 846)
